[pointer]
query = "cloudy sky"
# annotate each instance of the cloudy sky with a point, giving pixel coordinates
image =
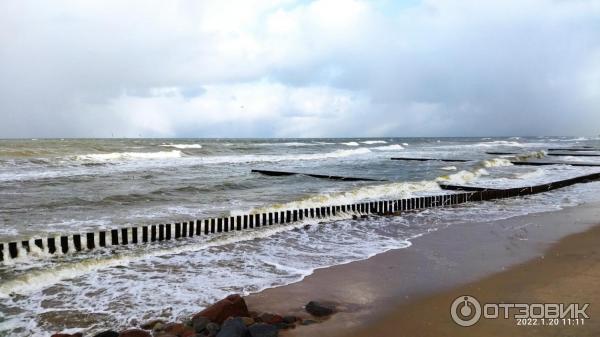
(285, 68)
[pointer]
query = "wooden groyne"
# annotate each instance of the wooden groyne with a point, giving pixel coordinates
(576, 149)
(433, 159)
(321, 176)
(522, 163)
(547, 154)
(542, 163)
(148, 234)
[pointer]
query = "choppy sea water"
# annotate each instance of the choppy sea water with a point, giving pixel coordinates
(62, 186)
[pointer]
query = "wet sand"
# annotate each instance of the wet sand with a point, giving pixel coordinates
(408, 292)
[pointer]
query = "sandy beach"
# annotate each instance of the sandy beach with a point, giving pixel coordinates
(546, 257)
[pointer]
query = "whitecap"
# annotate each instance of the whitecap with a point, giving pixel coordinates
(129, 156)
(371, 142)
(183, 146)
(393, 147)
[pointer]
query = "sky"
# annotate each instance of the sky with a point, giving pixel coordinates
(285, 68)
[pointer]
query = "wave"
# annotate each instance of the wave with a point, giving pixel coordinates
(530, 175)
(371, 142)
(448, 168)
(389, 147)
(530, 155)
(129, 156)
(462, 177)
(499, 143)
(250, 158)
(495, 162)
(183, 146)
(350, 144)
(373, 192)
(39, 279)
(466, 176)
(289, 144)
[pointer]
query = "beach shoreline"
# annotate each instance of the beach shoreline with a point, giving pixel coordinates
(370, 294)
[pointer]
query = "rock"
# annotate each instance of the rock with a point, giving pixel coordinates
(263, 330)
(270, 318)
(248, 320)
(150, 324)
(108, 333)
(308, 322)
(174, 328)
(164, 334)
(284, 326)
(233, 327)
(79, 334)
(231, 306)
(212, 328)
(290, 319)
(134, 333)
(189, 332)
(199, 323)
(319, 309)
(158, 327)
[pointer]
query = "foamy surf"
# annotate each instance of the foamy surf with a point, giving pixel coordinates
(374, 192)
(394, 147)
(129, 156)
(371, 142)
(183, 146)
(282, 158)
(465, 177)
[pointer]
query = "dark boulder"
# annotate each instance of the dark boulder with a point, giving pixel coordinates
(319, 309)
(284, 326)
(134, 333)
(108, 333)
(177, 329)
(212, 329)
(199, 323)
(233, 327)
(270, 318)
(231, 306)
(290, 319)
(263, 330)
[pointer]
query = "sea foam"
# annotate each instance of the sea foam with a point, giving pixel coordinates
(115, 156)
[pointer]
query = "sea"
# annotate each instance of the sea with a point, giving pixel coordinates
(50, 187)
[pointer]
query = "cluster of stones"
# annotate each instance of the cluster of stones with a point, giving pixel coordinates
(228, 317)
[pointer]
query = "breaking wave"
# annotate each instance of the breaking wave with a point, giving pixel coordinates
(371, 142)
(373, 192)
(183, 146)
(280, 158)
(129, 156)
(389, 147)
(466, 176)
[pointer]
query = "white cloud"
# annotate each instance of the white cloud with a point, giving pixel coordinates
(299, 68)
